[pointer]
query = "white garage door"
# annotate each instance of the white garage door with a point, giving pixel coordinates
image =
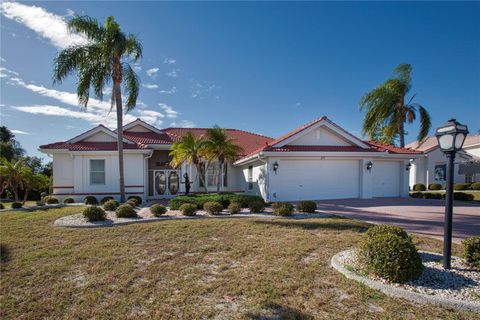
(386, 178)
(317, 179)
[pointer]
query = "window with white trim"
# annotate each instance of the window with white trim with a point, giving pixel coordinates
(97, 171)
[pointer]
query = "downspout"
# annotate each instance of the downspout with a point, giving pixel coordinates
(267, 178)
(145, 166)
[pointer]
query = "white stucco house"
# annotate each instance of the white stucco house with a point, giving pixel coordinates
(319, 160)
(430, 167)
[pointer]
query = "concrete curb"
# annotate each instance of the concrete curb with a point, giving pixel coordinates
(402, 293)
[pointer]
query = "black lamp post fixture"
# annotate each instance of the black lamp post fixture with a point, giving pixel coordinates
(369, 166)
(275, 167)
(450, 138)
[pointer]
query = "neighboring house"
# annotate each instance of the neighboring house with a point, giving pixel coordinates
(431, 166)
(317, 161)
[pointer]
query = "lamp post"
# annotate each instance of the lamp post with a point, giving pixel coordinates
(450, 138)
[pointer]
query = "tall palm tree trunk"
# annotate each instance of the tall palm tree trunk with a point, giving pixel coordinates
(118, 100)
(401, 133)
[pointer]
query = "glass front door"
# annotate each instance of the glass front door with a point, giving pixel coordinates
(166, 182)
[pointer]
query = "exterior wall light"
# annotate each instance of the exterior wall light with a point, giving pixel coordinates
(451, 137)
(369, 166)
(275, 167)
(408, 166)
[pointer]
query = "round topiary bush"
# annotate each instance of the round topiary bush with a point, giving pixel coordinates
(256, 206)
(125, 211)
(431, 195)
(463, 196)
(111, 205)
(391, 257)
(131, 203)
(157, 210)
(385, 229)
(234, 208)
(283, 209)
(50, 200)
(471, 251)
(105, 199)
(90, 200)
(137, 199)
(188, 209)
(16, 205)
(94, 213)
(475, 186)
(40, 203)
(419, 187)
(213, 207)
(434, 186)
(68, 200)
(307, 206)
(2, 206)
(460, 186)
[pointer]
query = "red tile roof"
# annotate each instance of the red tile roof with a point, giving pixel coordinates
(300, 148)
(90, 146)
(392, 149)
(147, 137)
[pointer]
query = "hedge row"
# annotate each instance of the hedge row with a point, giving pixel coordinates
(223, 199)
(437, 195)
(438, 186)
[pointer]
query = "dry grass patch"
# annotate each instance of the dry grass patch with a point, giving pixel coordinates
(215, 268)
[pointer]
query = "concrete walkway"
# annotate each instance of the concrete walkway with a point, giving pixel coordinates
(420, 216)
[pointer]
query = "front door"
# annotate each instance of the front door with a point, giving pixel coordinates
(166, 182)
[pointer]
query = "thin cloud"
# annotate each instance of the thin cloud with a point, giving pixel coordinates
(171, 91)
(204, 89)
(172, 74)
(3, 60)
(152, 72)
(19, 132)
(169, 61)
(149, 85)
(48, 25)
(183, 124)
(172, 114)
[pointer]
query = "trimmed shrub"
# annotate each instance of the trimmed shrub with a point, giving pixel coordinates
(283, 209)
(68, 200)
(188, 209)
(417, 195)
(50, 200)
(94, 213)
(138, 199)
(391, 257)
(256, 206)
(431, 195)
(132, 203)
(475, 186)
(111, 205)
(213, 207)
(224, 199)
(307, 206)
(460, 186)
(463, 196)
(40, 203)
(16, 205)
(419, 187)
(234, 208)
(471, 251)
(125, 211)
(385, 229)
(90, 200)
(2, 206)
(434, 186)
(157, 210)
(105, 199)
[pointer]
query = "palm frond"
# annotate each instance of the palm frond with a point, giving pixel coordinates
(87, 26)
(425, 123)
(132, 86)
(133, 47)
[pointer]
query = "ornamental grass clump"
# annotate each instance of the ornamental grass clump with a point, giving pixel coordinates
(234, 208)
(111, 205)
(125, 211)
(283, 209)
(307, 206)
(213, 207)
(256, 206)
(471, 251)
(157, 210)
(188, 209)
(94, 213)
(137, 199)
(105, 199)
(388, 252)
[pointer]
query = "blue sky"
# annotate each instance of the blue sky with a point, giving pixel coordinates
(264, 67)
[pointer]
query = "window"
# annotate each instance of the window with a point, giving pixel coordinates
(97, 171)
(212, 175)
(250, 177)
(469, 178)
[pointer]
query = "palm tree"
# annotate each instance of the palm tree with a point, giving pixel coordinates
(105, 57)
(12, 175)
(190, 150)
(387, 110)
(219, 147)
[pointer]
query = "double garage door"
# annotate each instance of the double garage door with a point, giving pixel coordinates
(333, 179)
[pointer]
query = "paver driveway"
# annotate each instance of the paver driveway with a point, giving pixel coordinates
(414, 215)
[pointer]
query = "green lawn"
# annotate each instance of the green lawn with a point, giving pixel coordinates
(197, 269)
(8, 205)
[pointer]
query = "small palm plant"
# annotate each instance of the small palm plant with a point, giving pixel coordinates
(388, 111)
(189, 149)
(219, 147)
(105, 57)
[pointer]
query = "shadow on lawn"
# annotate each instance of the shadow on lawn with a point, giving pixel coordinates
(4, 253)
(272, 311)
(334, 224)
